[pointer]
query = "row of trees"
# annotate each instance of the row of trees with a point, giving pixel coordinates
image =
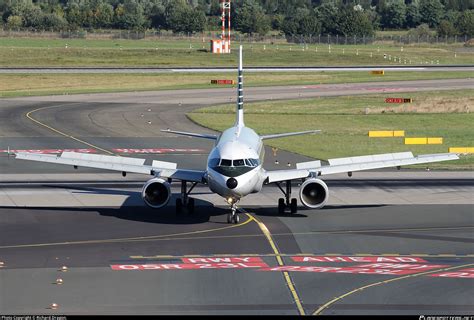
(291, 17)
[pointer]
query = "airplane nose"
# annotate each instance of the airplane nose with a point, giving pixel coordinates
(231, 183)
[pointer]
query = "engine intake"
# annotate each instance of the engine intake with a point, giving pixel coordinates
(314, 193)
(156, 193)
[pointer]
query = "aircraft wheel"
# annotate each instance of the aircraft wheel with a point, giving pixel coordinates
(236, 218)
(281, 206)
(229, 218)
(294, 205)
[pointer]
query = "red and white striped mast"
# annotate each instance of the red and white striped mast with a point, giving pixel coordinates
(225, 14)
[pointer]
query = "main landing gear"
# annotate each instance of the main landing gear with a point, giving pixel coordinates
(287, 202)
(185, 201)
(233, 216)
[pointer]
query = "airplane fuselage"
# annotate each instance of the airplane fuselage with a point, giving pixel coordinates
(234, 166)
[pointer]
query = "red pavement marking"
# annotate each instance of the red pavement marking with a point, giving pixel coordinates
(157, 150)
(189, 266)
(341, 270)
(418, 267)
(463, 273)
(49, 151)
(223, 260)
(356, 259)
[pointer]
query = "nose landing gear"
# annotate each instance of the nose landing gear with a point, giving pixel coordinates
(233, 216)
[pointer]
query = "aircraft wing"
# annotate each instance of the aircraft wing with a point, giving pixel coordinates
(350, 164)
(192, 134)
(288, 134)
(123, 164)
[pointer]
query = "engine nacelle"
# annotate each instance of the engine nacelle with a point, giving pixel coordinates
(156, 193)
(314, 193)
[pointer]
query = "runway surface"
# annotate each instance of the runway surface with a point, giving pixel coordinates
(422, 68)
(387, 243)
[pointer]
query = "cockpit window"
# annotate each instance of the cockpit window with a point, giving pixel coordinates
(239, 163)
(214, 162)
(226, 163)
(253, 162)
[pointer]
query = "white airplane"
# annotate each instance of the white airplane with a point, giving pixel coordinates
(234, 168)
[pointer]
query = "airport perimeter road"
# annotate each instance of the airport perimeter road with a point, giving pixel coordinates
(389, 242)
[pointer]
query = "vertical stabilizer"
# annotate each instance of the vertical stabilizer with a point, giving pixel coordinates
(239, 122)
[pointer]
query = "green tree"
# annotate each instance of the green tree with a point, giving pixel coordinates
(327, 14)
(394, 15)
(352, 22)
(181, 17)
(250, 18)
(413, 17)
(431, 12)
(130, 16)
(54, 22)
(465, 24)
(446, 28)
(14, 22)
(304, 22)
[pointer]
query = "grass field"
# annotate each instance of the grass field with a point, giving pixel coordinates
(345, 125)
(12, 85)
(22, 52)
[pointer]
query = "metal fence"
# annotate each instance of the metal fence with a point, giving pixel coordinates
(206, 36)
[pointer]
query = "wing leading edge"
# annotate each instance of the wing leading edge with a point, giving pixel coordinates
(351, 164)
(123, 164)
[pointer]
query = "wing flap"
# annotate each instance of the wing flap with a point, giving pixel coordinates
(308, 165)
(284, 175)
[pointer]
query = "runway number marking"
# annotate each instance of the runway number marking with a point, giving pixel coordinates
(190, 266)
(356, 259)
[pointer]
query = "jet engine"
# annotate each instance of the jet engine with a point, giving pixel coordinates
(314, 193)
(156, 193)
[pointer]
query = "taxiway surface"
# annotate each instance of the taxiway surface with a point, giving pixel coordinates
(387, 243)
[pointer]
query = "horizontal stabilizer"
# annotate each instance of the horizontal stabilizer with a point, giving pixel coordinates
(288, 134)
(192, 134)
